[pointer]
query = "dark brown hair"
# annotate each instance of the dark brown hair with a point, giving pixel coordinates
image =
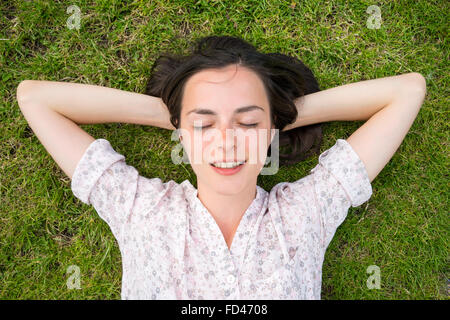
(285, 79)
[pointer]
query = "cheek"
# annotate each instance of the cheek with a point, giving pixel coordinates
(256, 149)
(196, 148)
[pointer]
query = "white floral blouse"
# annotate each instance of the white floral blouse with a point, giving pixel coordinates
(172, 248)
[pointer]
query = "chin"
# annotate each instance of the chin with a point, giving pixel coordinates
(229, 188)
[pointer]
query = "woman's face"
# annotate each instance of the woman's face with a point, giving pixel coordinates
(228, 101)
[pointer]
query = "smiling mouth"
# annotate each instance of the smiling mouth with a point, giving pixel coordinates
(227, 165)
(228, 171)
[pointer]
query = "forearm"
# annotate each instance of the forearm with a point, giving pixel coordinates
(90, 104)
(351, 102)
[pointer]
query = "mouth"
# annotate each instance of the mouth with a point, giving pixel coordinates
(227, 169)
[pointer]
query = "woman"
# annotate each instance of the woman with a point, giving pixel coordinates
(228, 238)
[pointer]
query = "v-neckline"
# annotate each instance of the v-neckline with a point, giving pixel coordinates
(237, 249)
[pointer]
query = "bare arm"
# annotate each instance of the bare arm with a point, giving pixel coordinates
(53, 110)
(389, 105)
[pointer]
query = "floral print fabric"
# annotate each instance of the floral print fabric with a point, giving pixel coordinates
(172, 248)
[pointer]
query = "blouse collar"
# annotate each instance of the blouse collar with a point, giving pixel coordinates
(245, 229)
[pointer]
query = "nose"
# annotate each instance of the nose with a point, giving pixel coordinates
(228, 144)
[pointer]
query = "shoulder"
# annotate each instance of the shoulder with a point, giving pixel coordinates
(341, 165)
(103, 179)
(338, 179)
(321, 199)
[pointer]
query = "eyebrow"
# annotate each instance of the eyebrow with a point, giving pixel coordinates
(239, 110)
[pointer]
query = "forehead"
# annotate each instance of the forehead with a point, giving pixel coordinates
(224, 90)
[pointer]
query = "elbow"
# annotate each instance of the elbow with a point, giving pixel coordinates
(412, 89)
(416, 83)
(24, 93)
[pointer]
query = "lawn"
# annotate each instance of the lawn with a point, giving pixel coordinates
(44, 229)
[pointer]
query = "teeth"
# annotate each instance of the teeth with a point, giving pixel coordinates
(227, 164)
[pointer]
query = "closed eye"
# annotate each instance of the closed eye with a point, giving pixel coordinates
(242, 124)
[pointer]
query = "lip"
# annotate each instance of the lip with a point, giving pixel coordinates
(229, 161)
(228, 172)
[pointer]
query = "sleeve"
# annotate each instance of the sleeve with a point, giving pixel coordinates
(340, 181)
(103, 179)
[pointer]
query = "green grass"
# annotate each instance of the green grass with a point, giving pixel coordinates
(403, 228)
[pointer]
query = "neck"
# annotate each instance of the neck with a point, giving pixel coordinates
(227, 209)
